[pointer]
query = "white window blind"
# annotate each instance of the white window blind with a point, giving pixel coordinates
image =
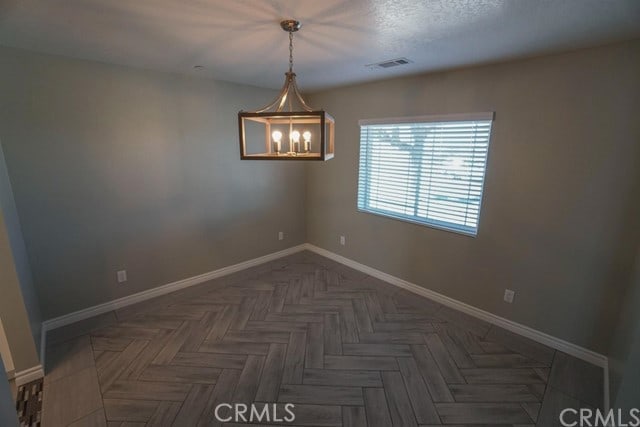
(426, 170)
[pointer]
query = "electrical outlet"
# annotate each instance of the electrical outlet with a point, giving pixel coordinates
(342, 240)
(508, 295)
(280, 235)
(122, 276)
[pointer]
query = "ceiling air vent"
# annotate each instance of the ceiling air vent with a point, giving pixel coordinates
(389, 64)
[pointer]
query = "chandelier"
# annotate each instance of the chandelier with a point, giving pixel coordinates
(287, 128)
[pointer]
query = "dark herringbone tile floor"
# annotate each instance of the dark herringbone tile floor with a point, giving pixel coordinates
(343, 347)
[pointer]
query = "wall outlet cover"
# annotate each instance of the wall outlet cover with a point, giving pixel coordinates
(280, 235)
(508, 295)
(122, 276)
(342, 240)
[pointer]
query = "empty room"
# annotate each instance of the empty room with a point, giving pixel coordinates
(320, 213)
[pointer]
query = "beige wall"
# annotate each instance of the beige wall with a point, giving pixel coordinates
(559, 191)
(114, 168)
(19, 308)
(19, 253)
(5, 351)
(15, 318)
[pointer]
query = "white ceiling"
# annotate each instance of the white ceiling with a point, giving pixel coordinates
(241, 40)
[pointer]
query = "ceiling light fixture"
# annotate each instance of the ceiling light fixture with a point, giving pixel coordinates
(270, 133)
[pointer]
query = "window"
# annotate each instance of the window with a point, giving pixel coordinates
(427, 170)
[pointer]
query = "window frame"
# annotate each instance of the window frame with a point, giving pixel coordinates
(439, 118)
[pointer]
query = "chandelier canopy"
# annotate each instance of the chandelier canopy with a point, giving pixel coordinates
(274, 132)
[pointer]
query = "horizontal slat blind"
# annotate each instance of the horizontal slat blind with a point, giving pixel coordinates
(428, 172)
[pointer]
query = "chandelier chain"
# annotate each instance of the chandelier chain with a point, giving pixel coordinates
(290, 52)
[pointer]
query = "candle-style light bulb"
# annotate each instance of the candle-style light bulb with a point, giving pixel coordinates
(295, 141)
(277, 137)
(307, 141)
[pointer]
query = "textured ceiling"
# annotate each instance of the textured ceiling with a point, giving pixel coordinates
(241, 41)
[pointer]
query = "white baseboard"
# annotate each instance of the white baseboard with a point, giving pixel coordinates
(106, 307)
(28, 375)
